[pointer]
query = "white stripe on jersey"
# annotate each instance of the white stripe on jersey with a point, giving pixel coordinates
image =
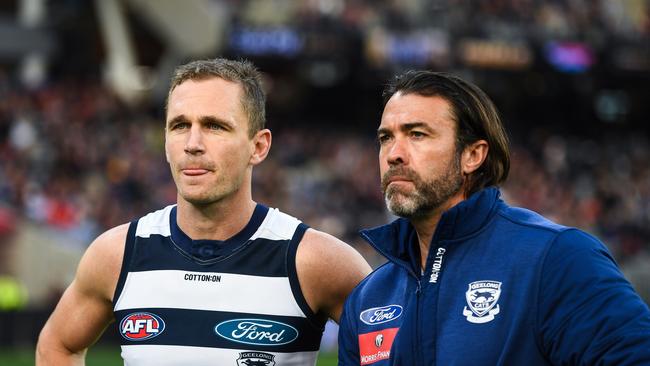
(234, 293)
(276, 226)
(155, 223)
(153, 355)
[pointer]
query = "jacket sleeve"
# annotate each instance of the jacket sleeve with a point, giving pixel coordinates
(348, 341)
(588, 313)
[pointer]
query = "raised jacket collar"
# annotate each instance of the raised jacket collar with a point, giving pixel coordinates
(396, 240)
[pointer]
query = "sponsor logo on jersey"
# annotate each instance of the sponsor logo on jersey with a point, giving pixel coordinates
(202, 277)
(436, 267)
(255, 359)
(141, 326)
(375, 346)
(382, 314)
(379, 340)
(482, 297)
(260, 332)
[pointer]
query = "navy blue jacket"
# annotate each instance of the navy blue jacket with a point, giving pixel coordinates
(501, 286)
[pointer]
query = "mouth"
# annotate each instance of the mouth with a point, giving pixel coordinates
(193, 172)
(398, 180)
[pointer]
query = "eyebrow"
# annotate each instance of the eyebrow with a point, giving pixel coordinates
(407, 127)
(203, 120)
(212, 119)
(177, 119)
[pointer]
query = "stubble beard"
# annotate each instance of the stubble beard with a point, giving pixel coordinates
(207, 194)
(427, 196)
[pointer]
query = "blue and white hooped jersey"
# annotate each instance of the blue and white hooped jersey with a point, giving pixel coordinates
(180, 301)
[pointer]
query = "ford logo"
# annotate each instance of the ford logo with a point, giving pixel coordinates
(256, 331)
(383, 314)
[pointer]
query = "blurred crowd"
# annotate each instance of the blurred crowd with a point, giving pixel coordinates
(74, 158)
(509, 18)
(77, 160)
(571, 36)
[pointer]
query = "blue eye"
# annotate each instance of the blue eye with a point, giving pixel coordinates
(179, 126)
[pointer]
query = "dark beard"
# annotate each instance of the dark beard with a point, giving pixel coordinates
(428, 195)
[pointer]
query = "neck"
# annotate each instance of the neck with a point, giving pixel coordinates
(219, 220)
(426, 225)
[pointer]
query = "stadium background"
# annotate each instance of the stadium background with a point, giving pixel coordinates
(82, 88)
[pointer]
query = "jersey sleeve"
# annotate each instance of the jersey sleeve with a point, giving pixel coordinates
(348, 341)
(588, 313)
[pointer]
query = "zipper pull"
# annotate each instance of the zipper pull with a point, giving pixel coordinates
(418, 288)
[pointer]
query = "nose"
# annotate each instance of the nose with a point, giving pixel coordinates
(397, 152)
(194, 144)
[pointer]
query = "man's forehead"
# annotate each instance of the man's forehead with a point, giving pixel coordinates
(198, 87)
(413, 108)
(204, 95)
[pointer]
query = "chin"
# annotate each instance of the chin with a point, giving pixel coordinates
(402, 206)
(199, 198)
(199, 201)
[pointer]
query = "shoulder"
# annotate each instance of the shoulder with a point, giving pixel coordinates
(576, 248)
(375, 286)
(100, 266)
(156, 222)
(578, 240)
(328, 269)
(322, 252)
(526, 218)
(110, 244)
(388, 270)
(560, 241)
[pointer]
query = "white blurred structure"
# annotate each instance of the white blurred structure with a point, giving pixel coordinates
(200, 36)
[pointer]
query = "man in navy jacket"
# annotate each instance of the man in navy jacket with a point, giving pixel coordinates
(471, 280)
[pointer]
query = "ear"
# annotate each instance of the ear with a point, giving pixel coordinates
(473, 156)
(261, 144)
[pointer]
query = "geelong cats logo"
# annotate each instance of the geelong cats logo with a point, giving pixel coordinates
(255, 359)
(482, 297)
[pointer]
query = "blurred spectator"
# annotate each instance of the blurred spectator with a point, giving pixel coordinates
(77, 160)
(102, 163)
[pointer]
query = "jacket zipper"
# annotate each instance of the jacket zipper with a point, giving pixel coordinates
(418, 290)
(435, 250)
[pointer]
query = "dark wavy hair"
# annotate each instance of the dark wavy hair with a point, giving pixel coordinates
(475, 115)
(243, 72)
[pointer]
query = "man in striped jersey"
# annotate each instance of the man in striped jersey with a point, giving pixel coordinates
(216, 279)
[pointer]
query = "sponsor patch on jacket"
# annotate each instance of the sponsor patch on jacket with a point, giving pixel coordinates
(375, 346)
(482, 297)
(382, 314)
(141, 326)
(260, 332)
(255, 359)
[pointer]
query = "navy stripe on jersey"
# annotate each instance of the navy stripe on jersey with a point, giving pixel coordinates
(255, 278)
(126, 260)
(210, 251)
(197, 328)
(261, 257)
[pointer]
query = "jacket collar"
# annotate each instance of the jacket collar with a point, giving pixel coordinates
(395, 240)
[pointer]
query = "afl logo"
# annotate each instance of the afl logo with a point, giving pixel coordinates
(141, 326)
(383, 314)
